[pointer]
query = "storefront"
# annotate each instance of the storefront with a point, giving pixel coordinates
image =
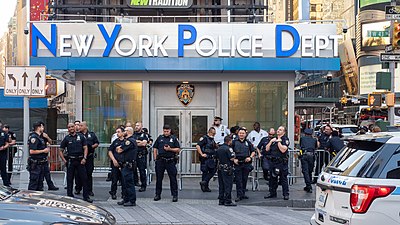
(184, 74)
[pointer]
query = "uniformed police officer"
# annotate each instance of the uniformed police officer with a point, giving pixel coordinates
(225, 156)
(244, 152)
(323, 157)
(221, 131)
(76, 146)
(279, 163)
(116, 160)
(37, 160)
(335, 144)
(128, 151)
(308, 146)
(12, 140)
(92, 144)
(165, 150)
(141, 141)
(206, 148)
(47, 176)
(264, 155)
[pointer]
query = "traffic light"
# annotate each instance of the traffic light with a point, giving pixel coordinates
(375, 100)
(343, 100)
(390, 99)
(51, 87)
(396, 35)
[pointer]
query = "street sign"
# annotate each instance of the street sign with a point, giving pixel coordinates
(385, 57)
(392, 12)
(378, 33)
(388, 48)
(25, 81)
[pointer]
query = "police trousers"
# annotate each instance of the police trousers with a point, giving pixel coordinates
(36, 175)
(74, 165)
(47, 177)
(142, 166)
(3, 167)
(208, 168)
(170, 166)
(307, 166)
(89, 170)
(266, 165)
(225, 183)
(279, 170)
(115, 176)
(128, 185)
(242, 172)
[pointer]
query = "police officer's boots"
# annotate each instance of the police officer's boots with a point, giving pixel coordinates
(203, 186)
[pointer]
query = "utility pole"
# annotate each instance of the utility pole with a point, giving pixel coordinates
(392, 71)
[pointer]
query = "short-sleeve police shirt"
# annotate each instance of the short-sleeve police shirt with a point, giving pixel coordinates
(308, 144)
(36, 142)
(12, 135)
(130, 149)
(242, 149)
(91, 139)
(263, 144)
(275, 149)
(208, 143)
(113, 148)
(161, 141)
(141, 136)
(225, 154)
(74, 144)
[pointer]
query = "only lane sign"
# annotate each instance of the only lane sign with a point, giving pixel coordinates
(25, 81)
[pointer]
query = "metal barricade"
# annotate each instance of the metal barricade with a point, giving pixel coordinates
(55, 163)
(188, 165)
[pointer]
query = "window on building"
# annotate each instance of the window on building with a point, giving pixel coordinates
(313, 7)
(265, 102)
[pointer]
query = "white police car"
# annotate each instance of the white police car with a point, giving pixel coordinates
(361, 185)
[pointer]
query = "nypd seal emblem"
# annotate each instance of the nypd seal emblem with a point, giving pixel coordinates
(185, 93)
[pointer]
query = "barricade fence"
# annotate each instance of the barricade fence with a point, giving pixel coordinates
(188, 165)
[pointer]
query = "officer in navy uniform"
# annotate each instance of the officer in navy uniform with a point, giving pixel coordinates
(116, 160)
(141, 141)
(37, 160)
(244, 152)
(4, 144)
(128, 152)
(206, 148)
(225, 156)
(92, 144)
(76, 146)
(279, 163)
(323, 157)
(165, 150)
(12, 140)
(308, 146)
(264, 155)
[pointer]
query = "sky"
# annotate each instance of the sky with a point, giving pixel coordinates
(7, 9)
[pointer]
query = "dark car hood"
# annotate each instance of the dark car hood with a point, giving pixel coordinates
(31, 206)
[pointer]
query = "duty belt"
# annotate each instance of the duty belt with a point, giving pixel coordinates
(167, 159)
(224, 167)
(276, 159)
(127, 164)
(75, 157)
(38, 161)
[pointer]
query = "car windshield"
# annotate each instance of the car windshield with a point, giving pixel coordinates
(352, 158)
(349, 130)
(6, 192)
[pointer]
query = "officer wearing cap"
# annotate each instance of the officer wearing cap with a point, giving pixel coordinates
(76, 146)
(128, 151)
(221, 131)
(116, 160)
(141, 141)
(225, 156)
(279, 163)
(12, 139)
(206, 148)
(308, 146)
(165, 150)
(37, 158)
(244, 152)
(92, 144)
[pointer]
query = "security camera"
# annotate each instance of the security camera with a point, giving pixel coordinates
(329, 76)
(26, 31)
(345, 28)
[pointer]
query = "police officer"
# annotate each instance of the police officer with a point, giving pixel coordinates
(279, 163)
(335, 144)
(220, 130)
(141, 141)
(323, 156)
(264, 155)
(92, 144)
(308, 145)
(12, 139)
(128, 151)
(225, 157)
(244, 152)
(206, 148)
(256, 134)
(37, 158)
(47, 176)
(116, 160)
(76, 146)
(165, 150)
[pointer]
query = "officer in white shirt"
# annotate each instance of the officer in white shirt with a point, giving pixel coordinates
(221, 131)
(257, 134)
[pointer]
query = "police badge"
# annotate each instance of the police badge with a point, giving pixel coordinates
(185, 93)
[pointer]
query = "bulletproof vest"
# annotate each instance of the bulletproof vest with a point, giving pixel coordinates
(308, 144)
(224, 154)
(163, 140)
(275, 152)
(140, 136)
(242, 149)
(209, 147)
(40, 145)
(75, 145)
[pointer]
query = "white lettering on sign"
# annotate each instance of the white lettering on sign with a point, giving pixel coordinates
(64, 45)
(25, 81)
(83, 43)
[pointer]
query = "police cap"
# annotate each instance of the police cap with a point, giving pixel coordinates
(166, 127)
(217, 118)
(308, 131)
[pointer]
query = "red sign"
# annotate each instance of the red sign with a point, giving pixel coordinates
(38, 8)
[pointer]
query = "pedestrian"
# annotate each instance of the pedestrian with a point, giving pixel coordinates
(116, 160)
(225, 156)
(220, 130)
(166, 149)
(128, 151)
(244, 152)
(335, 144)
(12, 140)
(76, 146)
(308, 147)
(264, 155)
(37, 160)
(279, 163)
(256, 134)
(323, 156)
(206, 148)
(92, 144)
(47, 175)
(141, 162)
